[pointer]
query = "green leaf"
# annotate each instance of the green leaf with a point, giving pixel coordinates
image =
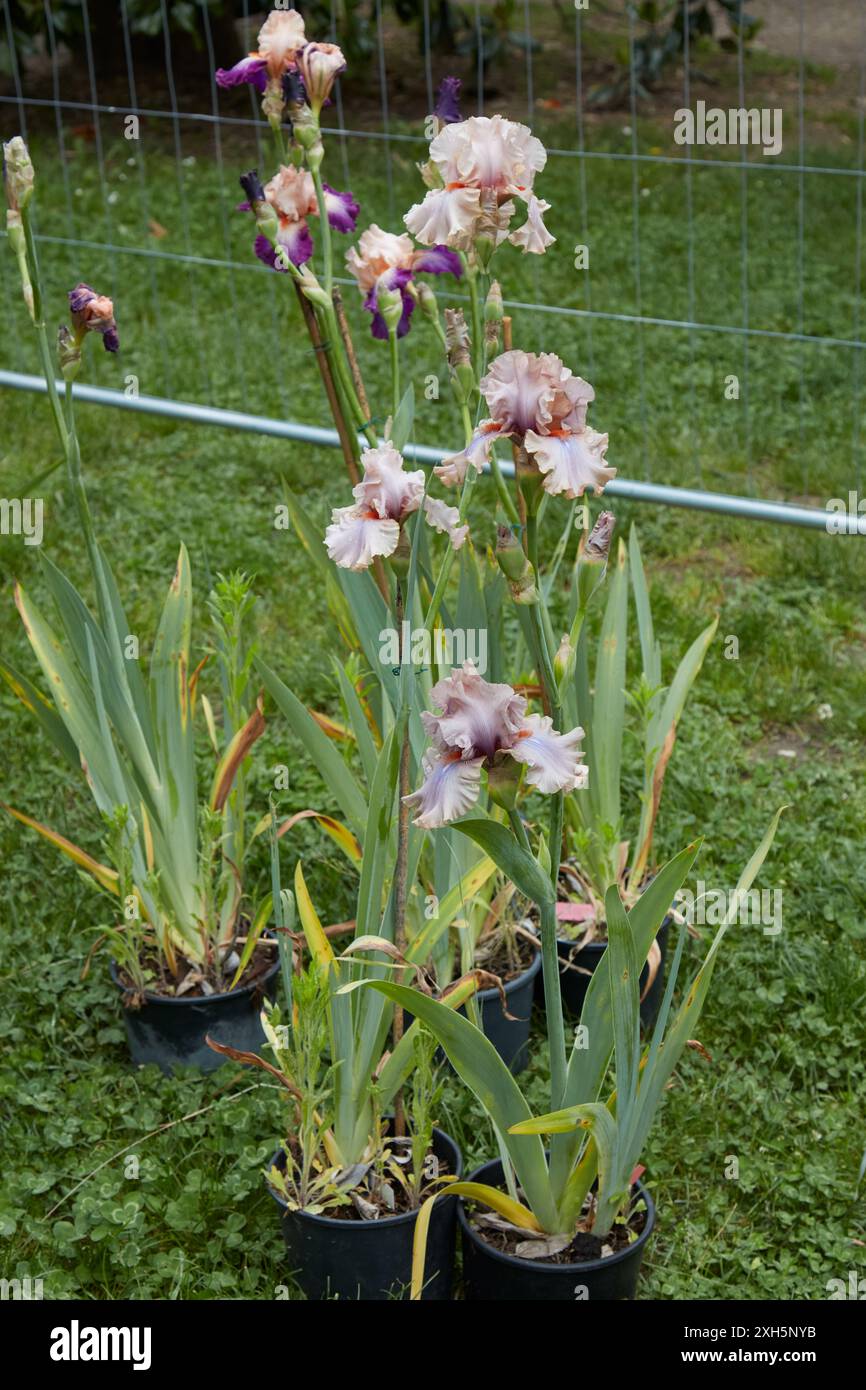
(358, 721)
(499, 842)
(457, 897)
(587, 1065)
(668, 1054)
(605, 731)
(33, 700)
(476, 1060)
(404, 421)
(625, 1002)
(650, 652)
(323, 755)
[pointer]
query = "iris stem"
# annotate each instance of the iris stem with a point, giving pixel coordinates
(477, 326)
(505, 497)
(448, 561)
(395, 373)
(48, 367)
(327, 249)
(401, 868)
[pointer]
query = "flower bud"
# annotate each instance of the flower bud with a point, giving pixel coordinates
(512, 560)
(597, 546)
(592, 558)
(267, 221)
(68, 353)
(390, 306)
(273, 105)
(18, 173)
(306, 133)
(313, 290)
(564, 659)
(425, 298)
(459, 358)
(493, 307)
(430, 174)
(293, 92)
(493, 310)
(447, 108)
(320, 64)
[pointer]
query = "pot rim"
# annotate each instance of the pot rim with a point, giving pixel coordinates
(332, 1222)
(528, 974)
(200, 999)
(547, 1270)
(601, 945)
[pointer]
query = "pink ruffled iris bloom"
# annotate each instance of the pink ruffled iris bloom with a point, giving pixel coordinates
(479, 721)
(536, 400)
(292, 195)
(477, 168)
(384, 498)
(385, 261)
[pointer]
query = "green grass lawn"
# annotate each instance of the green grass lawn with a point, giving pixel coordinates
(784, 1092)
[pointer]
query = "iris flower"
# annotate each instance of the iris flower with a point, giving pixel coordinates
(292, 195)
(280, 40)
(539, 402)
(384, 498)
(477, 168)
(385, 261)
(93, 313)
(478, 726)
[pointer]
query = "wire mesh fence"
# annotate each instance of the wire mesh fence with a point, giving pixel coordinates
(710, 291)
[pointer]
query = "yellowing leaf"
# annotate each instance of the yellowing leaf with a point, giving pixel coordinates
(320, 946)
(332, 727)
(338, 832)
(105, 876)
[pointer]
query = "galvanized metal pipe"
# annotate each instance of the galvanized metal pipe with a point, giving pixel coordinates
(746, 508)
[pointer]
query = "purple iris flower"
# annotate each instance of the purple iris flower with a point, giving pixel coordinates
(93, 313)
(253, 70)
(292, 195)
(384, 261)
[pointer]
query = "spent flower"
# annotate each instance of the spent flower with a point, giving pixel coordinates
(93, 313)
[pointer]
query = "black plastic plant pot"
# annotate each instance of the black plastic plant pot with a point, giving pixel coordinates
(371, 1261)
(493, 1276)
(574, 983)
(171, 1032)
(510, 1036)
